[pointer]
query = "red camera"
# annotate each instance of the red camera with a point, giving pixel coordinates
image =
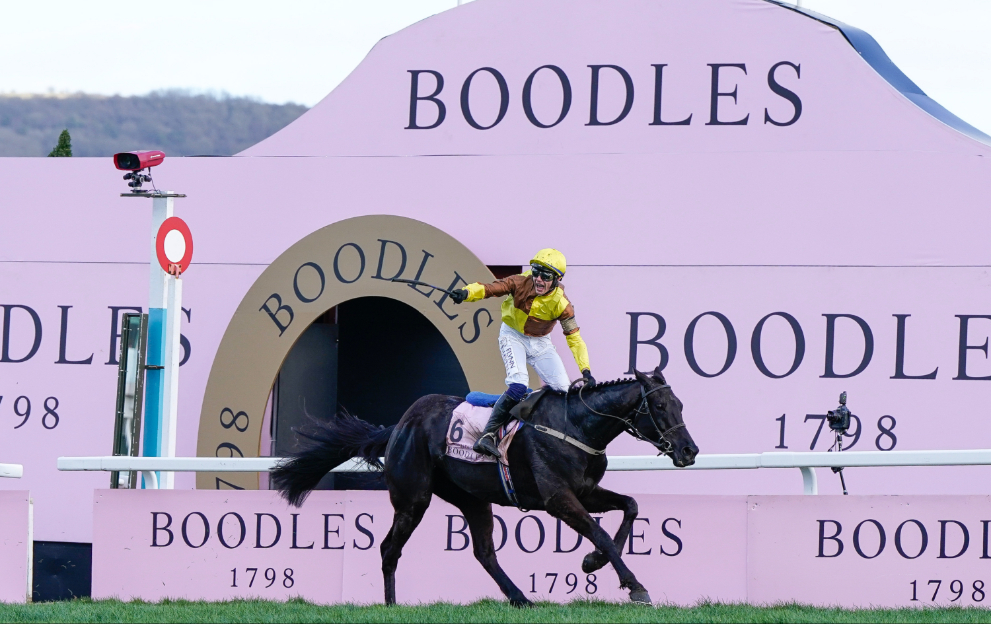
(136, 161)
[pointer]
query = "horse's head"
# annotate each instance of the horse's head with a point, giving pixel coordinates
(661, 422)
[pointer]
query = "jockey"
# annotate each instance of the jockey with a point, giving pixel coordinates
(534, 302)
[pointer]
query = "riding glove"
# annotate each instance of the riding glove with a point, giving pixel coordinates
(587, 376)
(459, 295)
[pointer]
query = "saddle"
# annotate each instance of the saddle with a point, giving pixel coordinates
(469, 419)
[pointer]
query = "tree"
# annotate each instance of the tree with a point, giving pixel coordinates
(64, 147)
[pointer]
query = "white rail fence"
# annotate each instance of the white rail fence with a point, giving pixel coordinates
(11, 471)
(805, 462)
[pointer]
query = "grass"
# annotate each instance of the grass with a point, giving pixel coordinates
(485, 611)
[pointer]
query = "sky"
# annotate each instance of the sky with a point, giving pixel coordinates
(299, 50)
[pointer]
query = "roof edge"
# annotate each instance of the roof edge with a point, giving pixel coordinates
(870, 50)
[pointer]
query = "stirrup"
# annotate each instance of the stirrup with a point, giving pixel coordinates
(483, 446)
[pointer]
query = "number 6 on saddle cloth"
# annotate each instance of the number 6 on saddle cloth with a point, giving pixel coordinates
(467, 423)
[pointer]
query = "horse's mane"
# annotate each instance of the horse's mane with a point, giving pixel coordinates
(599, 384)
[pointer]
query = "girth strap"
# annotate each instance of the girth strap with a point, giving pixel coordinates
(573, 442)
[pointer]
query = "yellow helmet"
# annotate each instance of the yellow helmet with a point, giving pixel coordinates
(552, 259)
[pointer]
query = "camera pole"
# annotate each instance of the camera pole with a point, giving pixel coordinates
(161, 368)
(839, 423)
(838, 445)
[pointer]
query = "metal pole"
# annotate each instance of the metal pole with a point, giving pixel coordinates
(162, 209)
(170, 387)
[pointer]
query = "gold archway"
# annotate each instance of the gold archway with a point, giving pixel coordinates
(353, 258)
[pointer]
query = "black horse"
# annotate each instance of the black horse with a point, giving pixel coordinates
(550, 468)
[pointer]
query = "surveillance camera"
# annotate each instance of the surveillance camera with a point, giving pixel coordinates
(136, 161)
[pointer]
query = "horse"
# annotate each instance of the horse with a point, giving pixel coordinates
(557, 459)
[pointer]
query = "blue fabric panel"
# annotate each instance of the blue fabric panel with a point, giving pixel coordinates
(481, 399)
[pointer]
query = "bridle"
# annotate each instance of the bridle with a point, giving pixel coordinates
(664, 446)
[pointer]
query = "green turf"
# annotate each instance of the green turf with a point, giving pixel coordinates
(485, 611)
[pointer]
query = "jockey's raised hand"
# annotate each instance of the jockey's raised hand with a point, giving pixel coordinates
(459, 295)
(587, 376)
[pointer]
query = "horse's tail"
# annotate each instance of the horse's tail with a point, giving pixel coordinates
(331, 443)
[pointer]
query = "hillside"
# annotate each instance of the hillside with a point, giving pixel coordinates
(178, 123)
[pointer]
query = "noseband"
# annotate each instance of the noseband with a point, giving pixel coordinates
(664, 446)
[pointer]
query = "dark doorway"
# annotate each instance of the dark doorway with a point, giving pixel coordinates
(371, 356)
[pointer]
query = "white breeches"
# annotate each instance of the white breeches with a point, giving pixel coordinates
(518, 350)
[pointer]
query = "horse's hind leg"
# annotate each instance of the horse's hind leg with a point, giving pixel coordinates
(479, 518)
(602, 500)
(406, 519)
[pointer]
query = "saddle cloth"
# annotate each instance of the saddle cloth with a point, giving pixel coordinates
(467, 423)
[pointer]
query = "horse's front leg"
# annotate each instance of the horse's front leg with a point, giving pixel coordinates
(563, 504)
(602, 500)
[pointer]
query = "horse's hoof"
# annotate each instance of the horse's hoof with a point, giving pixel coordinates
(594, 561)
(521, 603)
(640, 596)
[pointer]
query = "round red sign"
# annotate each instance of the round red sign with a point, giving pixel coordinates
(174, 246)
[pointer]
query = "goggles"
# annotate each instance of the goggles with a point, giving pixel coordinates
(542, 272)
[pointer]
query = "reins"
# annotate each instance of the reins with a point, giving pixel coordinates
(643, 408)
(664, 446)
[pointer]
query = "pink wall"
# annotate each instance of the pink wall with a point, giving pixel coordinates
(14, 531)
(758, 549)
(866, 206)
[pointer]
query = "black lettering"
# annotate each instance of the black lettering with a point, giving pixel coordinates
(593, 113)
(881, 539)
(415, 98)
(942, 539)
(787, 94)
(830, 342)
(900, 353)
(503, 99)
(961, 361)
(295, 518)
(114, 332)
(273, 314)
(402, 262)
(258, 530)
(505, 531)
(715, 94)
(519, 533)
(730, 344)
(984, 552)
(463, 532)
(658, 82)
(635, 341)
(923, 534)
(337, 267)
(419, 273)
(5, 351)
(440, 302)
(755, 345)
(474, 321)
(63, 338)
(327, 532)
(835, 537)
(363, 531)
(155, 529)
(206, 529)
(557, 540)
(220, 530)
(323, 279)
(184, 345)
(565, 96)
(639, 536)
(671, 536)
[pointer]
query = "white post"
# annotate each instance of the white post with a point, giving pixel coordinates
(155, 389)
(170, 386)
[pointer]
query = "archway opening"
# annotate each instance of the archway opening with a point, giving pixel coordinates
(370, 356)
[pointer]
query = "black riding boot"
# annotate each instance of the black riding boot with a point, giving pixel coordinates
(486, 443)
